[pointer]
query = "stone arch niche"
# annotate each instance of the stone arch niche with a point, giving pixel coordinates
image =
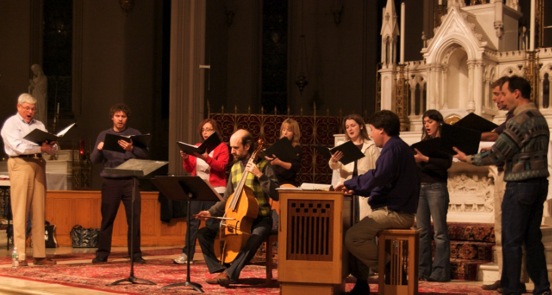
(457, 79)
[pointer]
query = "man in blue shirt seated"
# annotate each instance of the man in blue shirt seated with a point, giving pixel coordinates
(393, 187)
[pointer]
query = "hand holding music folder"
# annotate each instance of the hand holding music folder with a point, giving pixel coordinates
(350, 152)
(38, 136)
(431, 148)
(466, 140)
(111, 141)
(208, 144)
(282, 149)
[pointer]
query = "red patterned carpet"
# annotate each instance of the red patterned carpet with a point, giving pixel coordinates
(162, 272)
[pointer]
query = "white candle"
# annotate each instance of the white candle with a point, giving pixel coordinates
(402, 33)
(57, 110)
(532, 28)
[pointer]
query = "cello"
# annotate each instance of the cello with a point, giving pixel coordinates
(240, 211)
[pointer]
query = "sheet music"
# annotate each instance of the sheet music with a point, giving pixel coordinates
(65, 130)
(137, 167)
(308, 187)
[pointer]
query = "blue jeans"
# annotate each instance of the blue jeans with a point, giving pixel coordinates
(433, 203)
(206, 236)
(521, 220)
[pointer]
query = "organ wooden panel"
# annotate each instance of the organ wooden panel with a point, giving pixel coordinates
(66, 209)
(310, 241)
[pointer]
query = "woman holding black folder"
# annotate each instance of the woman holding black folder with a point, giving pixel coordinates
(286, 169)
(433, 203)
(355, 131)
(211, 167)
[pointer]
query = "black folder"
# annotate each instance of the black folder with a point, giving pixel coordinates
(38, 136)
(283, 149)
(475, 122)
(467, 140)
(349, 150)
(431, 147)
(139, 140)
(208, 144)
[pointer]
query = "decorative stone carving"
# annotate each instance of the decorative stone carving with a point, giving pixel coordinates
(471, 193)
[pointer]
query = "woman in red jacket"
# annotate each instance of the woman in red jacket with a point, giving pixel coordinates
(211, 167)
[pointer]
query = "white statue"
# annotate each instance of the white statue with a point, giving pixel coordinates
(514, 4)
(38, 88)
(456, 3)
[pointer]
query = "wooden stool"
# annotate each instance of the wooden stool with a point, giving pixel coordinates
(270, 240)
(401, 275)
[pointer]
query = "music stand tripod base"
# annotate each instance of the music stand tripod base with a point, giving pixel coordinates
(134, 168)
(186, 188)
(132, 280)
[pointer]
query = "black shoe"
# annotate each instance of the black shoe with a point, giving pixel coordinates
(139, 260)
(361, 288)
(98, 260)
(493, 286)
(523, 288)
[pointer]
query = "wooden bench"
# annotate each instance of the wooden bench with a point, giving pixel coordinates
(400, 275)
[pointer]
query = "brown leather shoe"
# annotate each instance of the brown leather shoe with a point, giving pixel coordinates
(44, 261)
(222, 279)
(23, 263)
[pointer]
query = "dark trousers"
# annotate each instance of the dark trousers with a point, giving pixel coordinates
(259, 231)
(522, 209)
(113, 192)
(195, 207)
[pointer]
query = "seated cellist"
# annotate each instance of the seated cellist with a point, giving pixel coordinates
(261, 182)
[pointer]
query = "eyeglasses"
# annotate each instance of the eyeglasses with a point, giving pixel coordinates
(207, 129)
(32, 109)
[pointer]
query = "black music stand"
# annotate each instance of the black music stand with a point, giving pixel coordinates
(189, 188)
(135, 168)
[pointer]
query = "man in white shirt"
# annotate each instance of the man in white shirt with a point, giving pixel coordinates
(26, 169)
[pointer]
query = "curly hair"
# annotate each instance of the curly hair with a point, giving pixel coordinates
(120, 107)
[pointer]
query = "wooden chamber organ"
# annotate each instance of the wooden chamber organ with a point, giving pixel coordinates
(310, 239)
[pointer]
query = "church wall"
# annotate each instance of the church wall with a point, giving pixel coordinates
(121, 59)
(117, 66)
(15, 63)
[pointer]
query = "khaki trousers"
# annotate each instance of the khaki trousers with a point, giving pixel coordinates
(360, 239)
(27, 194)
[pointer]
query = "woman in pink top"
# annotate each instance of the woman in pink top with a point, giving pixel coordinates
(211, 167)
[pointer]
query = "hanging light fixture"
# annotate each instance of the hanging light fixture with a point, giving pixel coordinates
(126, 5)
(301, 81)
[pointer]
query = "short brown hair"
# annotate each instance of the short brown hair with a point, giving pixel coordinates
(119, 107)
